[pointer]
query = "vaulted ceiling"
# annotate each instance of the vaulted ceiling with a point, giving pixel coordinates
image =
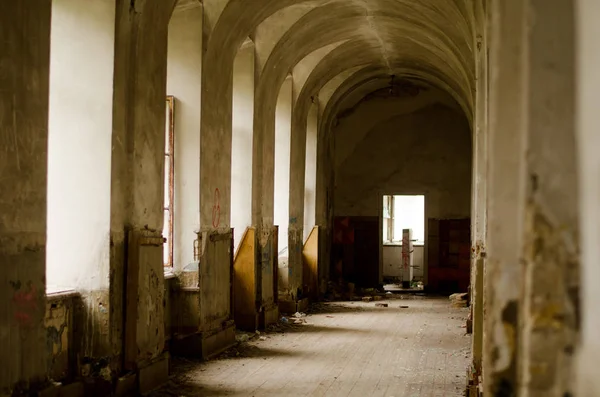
(352, 43)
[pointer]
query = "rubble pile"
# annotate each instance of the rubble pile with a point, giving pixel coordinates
(459, 300)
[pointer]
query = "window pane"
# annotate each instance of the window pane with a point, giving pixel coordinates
(385, 230)
(166, 235)
(386, 207)
(167, 202)
(167, 128)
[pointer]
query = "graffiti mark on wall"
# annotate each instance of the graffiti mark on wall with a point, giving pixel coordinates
(25, 303)
(216, 211)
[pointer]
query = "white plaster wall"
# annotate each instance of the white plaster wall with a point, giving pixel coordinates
(310, 176)
(283, 126)
(392, 261)
(184, 72)
(79, 147)
(241, 150)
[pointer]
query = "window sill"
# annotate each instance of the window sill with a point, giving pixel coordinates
(169, 274)
(60, 293)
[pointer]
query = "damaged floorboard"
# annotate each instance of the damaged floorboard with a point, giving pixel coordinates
(344, 349)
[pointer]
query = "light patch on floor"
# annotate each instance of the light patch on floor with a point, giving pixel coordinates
(345, 349)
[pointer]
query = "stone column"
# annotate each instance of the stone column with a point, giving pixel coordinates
(505, 198)
(137, 187)
(588, 120)
(267, 90)
(220, 44)
(479, 194)
(281, 169)
(297, 188)
(324, 201)
(407, 257)
(550, 262)
(24, 78)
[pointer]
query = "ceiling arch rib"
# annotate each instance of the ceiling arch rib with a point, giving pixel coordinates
(419, 46)
(303, 69)
(347, 56)
(429, 78)
(361, 79)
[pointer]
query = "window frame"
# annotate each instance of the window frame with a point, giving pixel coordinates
(169, 156)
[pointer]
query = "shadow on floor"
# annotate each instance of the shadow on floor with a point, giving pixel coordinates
(355, 307)
(308, 328)
(183, 387)
(246, 350)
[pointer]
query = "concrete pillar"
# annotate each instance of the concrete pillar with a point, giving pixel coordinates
(407, 257)
(588, 120)
(25, 61)
(220, 46)
(303, 174)
(310, 173)
(184, 74)
(479, 195)
(324, 201)
(505, 198)
(263, 186)
(281, 204)
(241, 158)
(550, 263)
(282, 173)
(137, 188)
(298, 168)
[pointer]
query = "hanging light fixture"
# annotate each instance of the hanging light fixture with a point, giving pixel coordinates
(392, 77)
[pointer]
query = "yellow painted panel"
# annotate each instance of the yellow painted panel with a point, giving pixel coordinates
(244, 281)
(310, 261)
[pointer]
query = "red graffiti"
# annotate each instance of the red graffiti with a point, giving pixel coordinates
(216, 211)
(405, 259)
(25, 305)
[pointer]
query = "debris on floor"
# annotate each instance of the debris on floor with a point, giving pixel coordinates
(459, 300)
(276, 361)
(367, 298)
(381, 305)
(299, 315)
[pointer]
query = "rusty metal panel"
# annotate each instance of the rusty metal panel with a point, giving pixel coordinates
(244, 282)
(144, 323)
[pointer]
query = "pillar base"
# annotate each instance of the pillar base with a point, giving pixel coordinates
(205, 344)
(473, 379)
(247, 322)
(153, 374)
(291, 307)
(269, 315)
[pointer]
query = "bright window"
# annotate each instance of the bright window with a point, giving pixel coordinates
(403, 212)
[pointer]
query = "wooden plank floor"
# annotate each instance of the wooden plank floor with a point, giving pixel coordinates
(345, 349)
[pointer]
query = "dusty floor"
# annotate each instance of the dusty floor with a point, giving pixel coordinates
(344, 349)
